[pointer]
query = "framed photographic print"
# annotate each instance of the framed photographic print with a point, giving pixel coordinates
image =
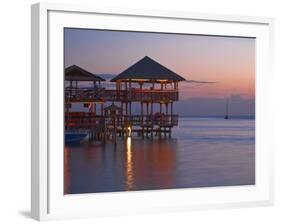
(148, 111)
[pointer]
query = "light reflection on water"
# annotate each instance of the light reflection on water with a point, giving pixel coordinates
(129, 165)
(202, 152)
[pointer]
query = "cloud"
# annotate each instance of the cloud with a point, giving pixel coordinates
(199, 82)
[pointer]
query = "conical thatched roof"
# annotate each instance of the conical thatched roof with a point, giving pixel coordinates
(147, 69)
(75, 73)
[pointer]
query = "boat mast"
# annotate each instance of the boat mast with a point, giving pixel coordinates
(226, 110)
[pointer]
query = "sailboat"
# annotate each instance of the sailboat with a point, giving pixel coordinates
(226, 117)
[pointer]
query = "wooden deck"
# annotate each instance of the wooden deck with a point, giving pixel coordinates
(134, 95)
(88, 120)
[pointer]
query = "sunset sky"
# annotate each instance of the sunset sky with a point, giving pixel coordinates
(227, 61)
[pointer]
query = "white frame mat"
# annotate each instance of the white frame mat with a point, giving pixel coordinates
(48, 200)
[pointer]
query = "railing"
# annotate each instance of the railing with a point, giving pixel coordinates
(84, 94)
(133, 95)
(148, 120)
(83, 120)
(89, 120)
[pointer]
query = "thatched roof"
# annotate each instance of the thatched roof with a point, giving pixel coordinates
(75, 73)
(147, 69)
(112, 107)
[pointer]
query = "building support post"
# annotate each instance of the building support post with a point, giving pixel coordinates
(166, 118)
(146, 120)
(151, 118)
(141, 102)
(122, 119)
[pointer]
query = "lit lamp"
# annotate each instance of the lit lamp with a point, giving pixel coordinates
(129, 131)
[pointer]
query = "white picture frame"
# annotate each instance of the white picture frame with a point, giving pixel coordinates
(48, 201)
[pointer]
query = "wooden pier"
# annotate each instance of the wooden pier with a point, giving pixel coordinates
(146, 83)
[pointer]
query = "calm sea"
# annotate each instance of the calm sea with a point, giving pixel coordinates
(203, 152)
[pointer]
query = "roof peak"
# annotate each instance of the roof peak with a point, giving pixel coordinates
(147, 57)
(148, 69)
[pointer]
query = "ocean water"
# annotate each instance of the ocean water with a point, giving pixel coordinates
(203, 152)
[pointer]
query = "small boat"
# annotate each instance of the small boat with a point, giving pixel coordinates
(226, 117)
(74, 137)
